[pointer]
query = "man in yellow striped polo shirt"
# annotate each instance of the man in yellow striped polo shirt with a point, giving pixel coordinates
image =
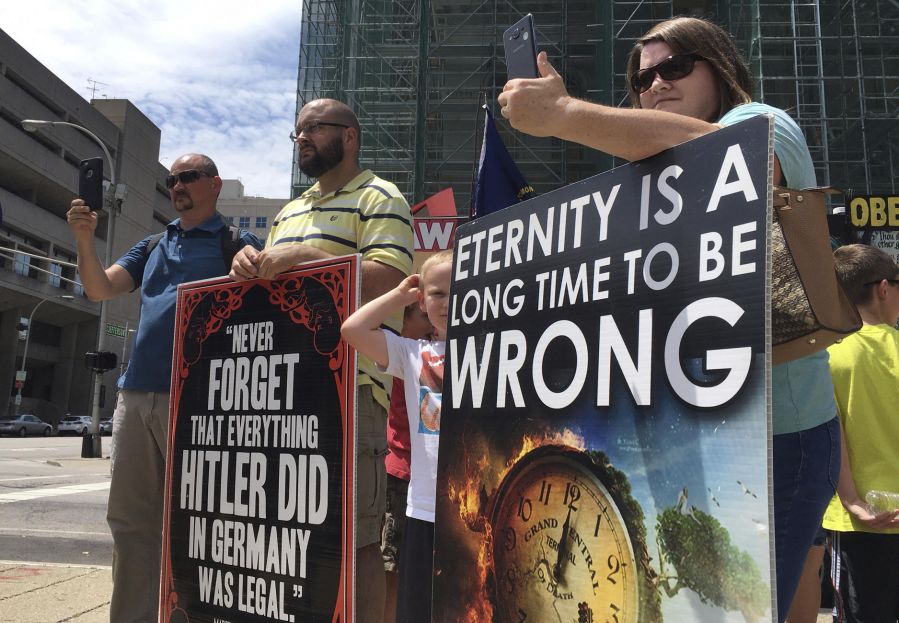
(348, 210)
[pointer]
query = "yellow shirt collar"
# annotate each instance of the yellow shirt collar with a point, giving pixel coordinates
(353, 185)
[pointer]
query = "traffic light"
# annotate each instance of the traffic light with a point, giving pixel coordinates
(100, 361)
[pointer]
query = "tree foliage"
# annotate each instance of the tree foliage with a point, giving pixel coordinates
(707, 563)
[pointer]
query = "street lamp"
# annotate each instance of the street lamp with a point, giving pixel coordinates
(20, 377)
(31, 125)
(113, 193)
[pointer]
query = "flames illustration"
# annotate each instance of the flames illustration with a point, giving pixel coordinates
(472, 495)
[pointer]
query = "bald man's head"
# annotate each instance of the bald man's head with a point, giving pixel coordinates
(327, 135)
(201, 162)
(334, 111)
(194, 186)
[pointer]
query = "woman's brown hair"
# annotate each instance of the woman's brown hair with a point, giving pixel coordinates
(691, 35)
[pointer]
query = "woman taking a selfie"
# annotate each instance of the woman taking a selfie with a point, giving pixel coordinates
(686, 79)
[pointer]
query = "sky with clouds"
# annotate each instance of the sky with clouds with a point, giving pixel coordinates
(217, 77)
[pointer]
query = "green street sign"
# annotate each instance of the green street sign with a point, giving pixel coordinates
(115, 329)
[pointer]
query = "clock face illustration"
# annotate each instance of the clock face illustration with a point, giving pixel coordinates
(562, 548)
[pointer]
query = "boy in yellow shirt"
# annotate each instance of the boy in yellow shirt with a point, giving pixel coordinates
(865, 372)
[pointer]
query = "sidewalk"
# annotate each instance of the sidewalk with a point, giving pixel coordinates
(54, 593)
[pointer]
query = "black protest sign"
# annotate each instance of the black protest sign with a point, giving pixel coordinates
(259, 488)
(605, 400)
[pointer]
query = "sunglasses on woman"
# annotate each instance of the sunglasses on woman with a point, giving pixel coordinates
(185, 177)
(674, 67)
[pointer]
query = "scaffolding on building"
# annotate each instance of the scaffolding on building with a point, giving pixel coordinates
(834, 66)
(416, 72)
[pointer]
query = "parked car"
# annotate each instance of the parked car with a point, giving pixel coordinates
(24, 424)
(106, 426)
(75, 424)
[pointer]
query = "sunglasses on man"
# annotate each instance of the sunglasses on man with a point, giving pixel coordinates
(895, 282)
(313, 127)
(185, 177)
(674, 67)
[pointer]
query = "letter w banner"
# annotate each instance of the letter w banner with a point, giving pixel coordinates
(605, 446)
(259, 499)
(499, 183)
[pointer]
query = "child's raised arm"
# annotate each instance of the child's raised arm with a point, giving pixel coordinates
(363, 329)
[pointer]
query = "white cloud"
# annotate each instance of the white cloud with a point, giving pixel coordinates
(216, 77)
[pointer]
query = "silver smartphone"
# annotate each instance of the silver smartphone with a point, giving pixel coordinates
(520, 45)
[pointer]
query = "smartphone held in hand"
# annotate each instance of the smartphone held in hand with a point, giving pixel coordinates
(520, 45)
(90, 183)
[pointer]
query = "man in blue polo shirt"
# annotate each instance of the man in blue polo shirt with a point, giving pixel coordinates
(191, 248)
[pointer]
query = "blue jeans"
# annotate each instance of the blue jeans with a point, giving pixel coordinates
(806, 471)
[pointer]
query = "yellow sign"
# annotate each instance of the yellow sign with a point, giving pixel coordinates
(872, 211)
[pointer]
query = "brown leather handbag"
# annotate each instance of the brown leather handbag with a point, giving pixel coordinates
(809, 309)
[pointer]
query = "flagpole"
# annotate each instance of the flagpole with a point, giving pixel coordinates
(482, 105)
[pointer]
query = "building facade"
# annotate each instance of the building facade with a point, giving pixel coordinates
(416, 72)
(254, 214)
(38, 180)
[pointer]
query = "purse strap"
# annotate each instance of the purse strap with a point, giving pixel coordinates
(787, 197)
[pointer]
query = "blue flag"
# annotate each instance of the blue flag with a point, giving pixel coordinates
(499, 183)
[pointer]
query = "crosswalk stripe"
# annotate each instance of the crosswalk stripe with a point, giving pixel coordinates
(48, 492)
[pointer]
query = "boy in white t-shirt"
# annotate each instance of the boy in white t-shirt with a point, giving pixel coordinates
(420, 364)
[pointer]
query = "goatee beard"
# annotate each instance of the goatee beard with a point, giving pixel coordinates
(186, 205)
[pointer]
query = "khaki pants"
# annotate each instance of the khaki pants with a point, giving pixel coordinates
(134, 511)
(371, 483)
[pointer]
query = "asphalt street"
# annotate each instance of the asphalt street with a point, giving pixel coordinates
(55, 547)
(53, 502)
